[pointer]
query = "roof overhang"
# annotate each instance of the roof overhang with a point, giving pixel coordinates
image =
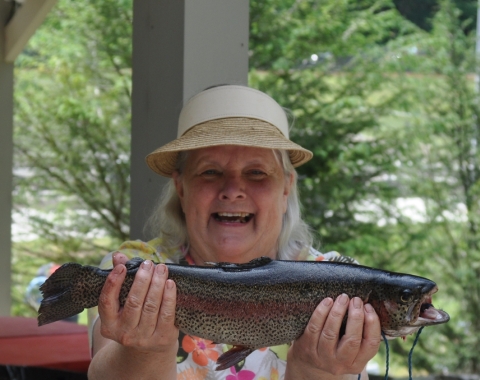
(23, 25)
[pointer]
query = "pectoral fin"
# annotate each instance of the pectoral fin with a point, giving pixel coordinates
(233, 356)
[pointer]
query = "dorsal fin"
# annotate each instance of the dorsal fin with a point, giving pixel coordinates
(134, 263)
(233, 267)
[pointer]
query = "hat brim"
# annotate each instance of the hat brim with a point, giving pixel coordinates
(226, 131)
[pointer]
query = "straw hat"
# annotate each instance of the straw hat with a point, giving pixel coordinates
(228, 115)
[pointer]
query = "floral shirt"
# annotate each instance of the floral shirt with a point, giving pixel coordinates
(196, 356)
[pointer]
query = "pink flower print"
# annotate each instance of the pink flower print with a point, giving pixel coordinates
(242, 375)
(201, 349)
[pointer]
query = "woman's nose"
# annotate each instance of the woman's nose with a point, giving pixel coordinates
(233, 188)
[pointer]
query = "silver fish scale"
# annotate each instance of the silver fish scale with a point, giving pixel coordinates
(245, 314)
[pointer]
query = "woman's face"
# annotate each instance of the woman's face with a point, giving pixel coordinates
(233, 199)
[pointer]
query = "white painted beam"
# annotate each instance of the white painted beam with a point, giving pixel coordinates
(215, 44)
(179, 48)
(23, 25)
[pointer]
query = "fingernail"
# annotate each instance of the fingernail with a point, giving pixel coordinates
(369, 308)
(327, 301)
(147, 264)
(342, 299)
(118, 269)
(357, 303)
(169, 284)
(160, 269)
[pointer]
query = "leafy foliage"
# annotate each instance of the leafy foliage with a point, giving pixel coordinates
(337, 104)
(444, 139)
(395, 153)
(73, 124)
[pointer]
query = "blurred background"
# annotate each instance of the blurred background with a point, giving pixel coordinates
(385, 93)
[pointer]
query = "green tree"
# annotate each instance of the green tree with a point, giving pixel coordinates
(338, 100)
(358, 109)
(443, 132)
(422, 12)
(73, 125)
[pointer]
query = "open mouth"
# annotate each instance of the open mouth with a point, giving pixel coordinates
(420, 313)
(431, 316)
(428, 315)
(233, 217)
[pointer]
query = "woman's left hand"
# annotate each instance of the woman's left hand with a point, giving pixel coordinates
(322, 352)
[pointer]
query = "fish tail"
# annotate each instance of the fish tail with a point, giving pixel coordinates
(68, 291)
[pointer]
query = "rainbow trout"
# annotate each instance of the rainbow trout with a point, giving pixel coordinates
(257, 304)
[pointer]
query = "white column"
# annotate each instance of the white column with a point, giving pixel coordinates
(179, 48)
(6, 159)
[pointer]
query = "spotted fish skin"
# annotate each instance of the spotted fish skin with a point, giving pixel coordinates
(258, 304)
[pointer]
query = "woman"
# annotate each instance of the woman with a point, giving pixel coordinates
(232, 198)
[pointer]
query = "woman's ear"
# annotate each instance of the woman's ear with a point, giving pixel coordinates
(289, 184)
(286, 191)
(177, 180)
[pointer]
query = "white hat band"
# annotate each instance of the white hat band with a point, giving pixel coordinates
(231, 101)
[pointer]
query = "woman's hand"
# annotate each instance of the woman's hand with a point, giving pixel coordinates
(146, 321)
(134, 341)
(320, 351)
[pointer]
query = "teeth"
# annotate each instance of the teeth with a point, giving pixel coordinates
(233, 217)
(230, 214)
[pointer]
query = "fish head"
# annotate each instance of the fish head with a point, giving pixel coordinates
(404, 304)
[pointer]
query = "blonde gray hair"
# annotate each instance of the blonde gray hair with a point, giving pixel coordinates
(168, 221)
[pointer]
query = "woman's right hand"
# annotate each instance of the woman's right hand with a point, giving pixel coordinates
(146, 321)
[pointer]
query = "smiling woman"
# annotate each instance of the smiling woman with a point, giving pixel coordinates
(169, 221)
(221, 183)
(232, 198)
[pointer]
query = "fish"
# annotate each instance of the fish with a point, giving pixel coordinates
(257, 304)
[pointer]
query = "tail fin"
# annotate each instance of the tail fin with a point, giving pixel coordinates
(59, 300)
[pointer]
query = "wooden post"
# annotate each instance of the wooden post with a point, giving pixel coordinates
(6, 160)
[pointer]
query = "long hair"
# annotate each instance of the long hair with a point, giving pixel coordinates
(168, 221)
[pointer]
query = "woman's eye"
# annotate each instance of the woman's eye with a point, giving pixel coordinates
(257, 173)
(210, 172)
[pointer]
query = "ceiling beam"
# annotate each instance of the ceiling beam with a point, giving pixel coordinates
(23, 25)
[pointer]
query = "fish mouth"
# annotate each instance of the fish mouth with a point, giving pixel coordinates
(423, 313)
(233, 217)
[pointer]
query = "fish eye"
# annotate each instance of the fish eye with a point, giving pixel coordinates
(406, 295)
